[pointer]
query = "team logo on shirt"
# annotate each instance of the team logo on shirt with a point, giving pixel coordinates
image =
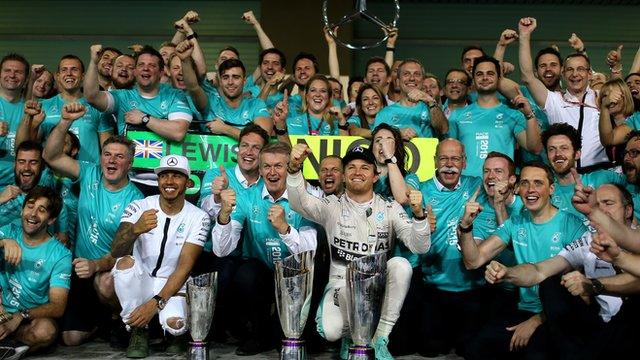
(556, 237)
(163, 105)
(522, 234)
(424, 115)
(180, 228)
(465, 195)
(256, 210)
(380, 216)
(39, 264)
(245, 114)
(133, 104)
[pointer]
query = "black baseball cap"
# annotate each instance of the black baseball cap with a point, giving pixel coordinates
(360, 153)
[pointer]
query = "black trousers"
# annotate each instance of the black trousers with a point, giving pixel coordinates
(450, 319)
(405, 336)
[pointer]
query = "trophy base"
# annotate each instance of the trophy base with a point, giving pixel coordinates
(198, 350)
(361, 353)
(293, 349)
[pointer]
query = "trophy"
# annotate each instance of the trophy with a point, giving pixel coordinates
(365, 285)
(201, 299)
(294, 283)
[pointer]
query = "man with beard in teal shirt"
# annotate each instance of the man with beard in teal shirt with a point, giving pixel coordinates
(14, 70)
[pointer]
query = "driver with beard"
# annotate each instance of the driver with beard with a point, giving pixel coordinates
(28, 169)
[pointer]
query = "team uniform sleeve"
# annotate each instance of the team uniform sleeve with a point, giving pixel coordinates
(61, 272)
(412, 180)
(260, 109)
(179, 109)
(414, 234)
(105, 122)
(133, 212)
(633, 121)
(576, 252)
(303, 239)
(503, 232)
(199, 230)
(305, 204)
(225, 238)
(113, 101)
(520, 122)
(453, 124)
(207, 180)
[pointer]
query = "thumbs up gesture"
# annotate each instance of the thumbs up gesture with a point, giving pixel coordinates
(220, 182)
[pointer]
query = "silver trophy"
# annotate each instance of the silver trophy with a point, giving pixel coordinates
(294, 283)
(365, 285)
(201, 299)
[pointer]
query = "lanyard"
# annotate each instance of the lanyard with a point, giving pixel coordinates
(311, 131)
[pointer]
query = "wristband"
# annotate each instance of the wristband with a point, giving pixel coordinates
(192, 36)
(291, 171)
(25, 314)
(391, 49)
(280, 131)
(343, 127)
(420, 218)
(584, 50)
(432, 105)
(465, 230)
(530, 116)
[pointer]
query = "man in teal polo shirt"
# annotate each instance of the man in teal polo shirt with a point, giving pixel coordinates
(14, 71)
(105, 191)
(536, 235)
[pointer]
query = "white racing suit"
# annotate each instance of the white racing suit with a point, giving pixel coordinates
(353, 232)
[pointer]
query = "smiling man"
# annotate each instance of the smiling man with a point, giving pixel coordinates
(122, 76)
(536, 235)
(165, 235)
(94, 127)
(576, 106)
(229, 111)
(34, 272)
(160, 109)
(272, 231)
(417, 114)
(348, 222)
(105, 190)
(489, 125)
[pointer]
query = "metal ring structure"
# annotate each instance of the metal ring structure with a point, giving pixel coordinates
(361, 12)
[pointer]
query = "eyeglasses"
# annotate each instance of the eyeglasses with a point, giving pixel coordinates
(633, 153)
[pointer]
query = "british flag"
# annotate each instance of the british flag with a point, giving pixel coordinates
(148, 149)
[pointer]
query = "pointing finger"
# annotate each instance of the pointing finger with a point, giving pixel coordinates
(475, 195)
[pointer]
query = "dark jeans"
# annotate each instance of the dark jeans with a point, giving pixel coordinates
(450, 319)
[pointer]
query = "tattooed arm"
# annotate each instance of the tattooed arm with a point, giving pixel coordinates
(128, 233)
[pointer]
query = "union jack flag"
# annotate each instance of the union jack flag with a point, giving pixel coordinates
(148, 149)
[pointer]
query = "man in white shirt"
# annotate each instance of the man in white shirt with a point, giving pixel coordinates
(166, 234)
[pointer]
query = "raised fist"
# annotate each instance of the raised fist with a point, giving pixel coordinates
(299, 153)
(147, 222)
(95, 50)
(527, 25)
(507, 37)
(73, 111)
(184, 49)
(249, 17)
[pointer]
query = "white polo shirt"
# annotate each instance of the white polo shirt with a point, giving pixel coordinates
(565, 108)
(159, 249)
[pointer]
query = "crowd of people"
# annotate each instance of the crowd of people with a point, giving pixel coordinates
(524, 244)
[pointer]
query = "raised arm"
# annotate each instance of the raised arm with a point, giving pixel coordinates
(389, 55)
(309, 206)
(334, 64)
(90, 86)
(188, 33)
(28, 128)
(614, 60)
(191, 17)
(414, 233)
(185, 50)
(507, 37)
(608, 134)
(530, 138)
(635, 66)
(475, 255)
(53, 154)
(128, 232)
(535, 86)
(265, 42)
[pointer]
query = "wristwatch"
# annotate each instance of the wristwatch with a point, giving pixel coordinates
(25, 314)
(161, 302)
(596, 287)
(145, 119)
(391, 160)
(280, 131)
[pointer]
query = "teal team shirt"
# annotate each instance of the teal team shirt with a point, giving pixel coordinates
(99, 212)
(85, 128)
(483, 130)
(633, 121)
(261, 240)
(416, 117)
(355, 120)
(11, 113)
(635, 194)
(251, 87)
(234, 183)
(42, 267)
(442, 266)
(169, 103)
(562, 194)
(533, 243)
(298, 124)
(246, 113)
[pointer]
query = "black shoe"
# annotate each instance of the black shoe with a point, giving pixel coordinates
(251, 347)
